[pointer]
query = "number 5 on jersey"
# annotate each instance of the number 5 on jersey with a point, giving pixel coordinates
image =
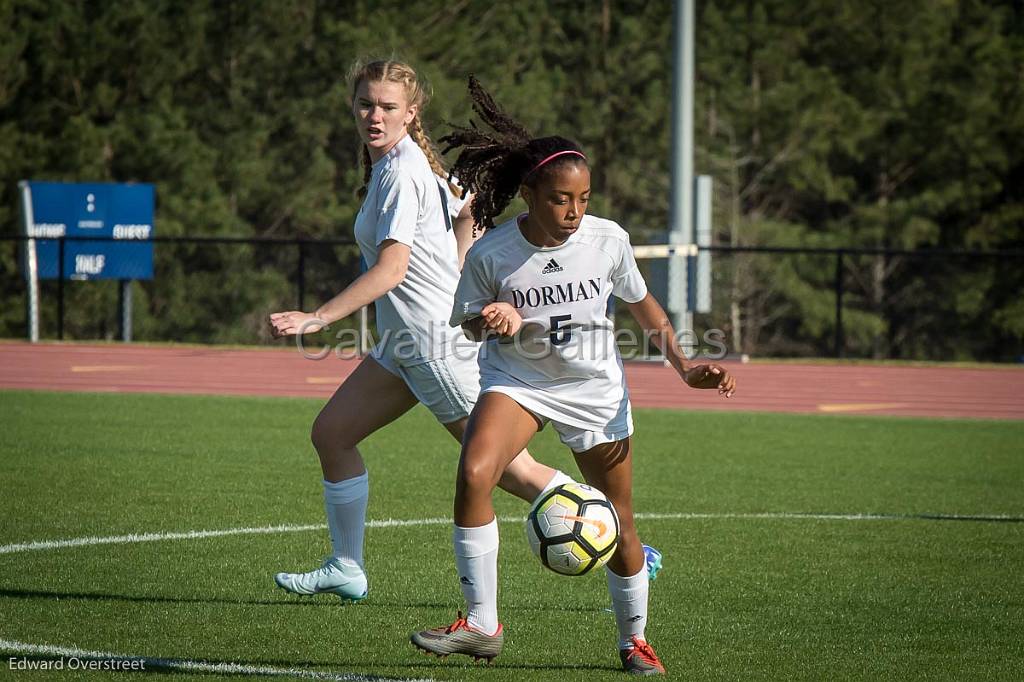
(560, 335)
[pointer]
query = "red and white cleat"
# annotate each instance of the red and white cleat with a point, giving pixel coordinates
(641, 659)
(460, 638)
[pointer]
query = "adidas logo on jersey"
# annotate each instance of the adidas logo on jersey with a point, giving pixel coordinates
(552, 266)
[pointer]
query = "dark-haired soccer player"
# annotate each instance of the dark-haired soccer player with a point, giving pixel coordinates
(540, 283)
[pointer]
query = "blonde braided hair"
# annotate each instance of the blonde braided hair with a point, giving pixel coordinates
(417, 92)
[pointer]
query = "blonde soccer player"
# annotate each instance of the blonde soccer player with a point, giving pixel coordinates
(405, 234)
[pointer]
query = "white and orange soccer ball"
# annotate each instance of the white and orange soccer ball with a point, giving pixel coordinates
(573, 529)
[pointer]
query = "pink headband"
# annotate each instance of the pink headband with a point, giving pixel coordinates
(555, 156)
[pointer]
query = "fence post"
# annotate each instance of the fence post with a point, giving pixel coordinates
(839, 303)
(300, 277)
(124, 308)
(60, 289)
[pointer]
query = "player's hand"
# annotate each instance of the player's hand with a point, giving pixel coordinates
(711, 376)
(501, 318)
(295, 322)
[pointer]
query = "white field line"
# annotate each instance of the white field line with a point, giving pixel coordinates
(149, 537)
(200, 534)
(147, 664)
(439, 521)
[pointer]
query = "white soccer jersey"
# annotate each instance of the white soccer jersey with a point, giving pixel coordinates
(406, 202)
(566, 349)
(455, 203)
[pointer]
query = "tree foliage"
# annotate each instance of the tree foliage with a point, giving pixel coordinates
(824, 123)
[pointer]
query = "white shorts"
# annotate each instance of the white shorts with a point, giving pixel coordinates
(448, 386)
(576, 438)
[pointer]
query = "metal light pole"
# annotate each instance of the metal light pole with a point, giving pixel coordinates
(681, 209)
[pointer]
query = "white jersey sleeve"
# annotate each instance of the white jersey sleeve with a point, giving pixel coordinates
(453, 203)
(475, 291)
(627, 282)
(405, 203)
(399, 209)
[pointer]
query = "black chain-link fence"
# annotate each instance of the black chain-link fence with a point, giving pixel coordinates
(778, 302)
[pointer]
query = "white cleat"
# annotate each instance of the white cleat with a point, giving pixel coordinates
(342, 577)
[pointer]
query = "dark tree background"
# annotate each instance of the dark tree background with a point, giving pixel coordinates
(824, 123)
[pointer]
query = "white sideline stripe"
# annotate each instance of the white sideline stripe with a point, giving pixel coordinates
(198, 534)
(439, 521)
(776, 516)
(149, 537)
(185, 665)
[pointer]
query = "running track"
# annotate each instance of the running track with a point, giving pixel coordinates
(931, 391)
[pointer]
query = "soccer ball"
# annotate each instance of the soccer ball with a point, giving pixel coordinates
(573, 529)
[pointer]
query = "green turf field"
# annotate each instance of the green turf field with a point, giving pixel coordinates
(742, 596)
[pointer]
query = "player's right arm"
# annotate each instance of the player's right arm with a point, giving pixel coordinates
(496, 318)
(396, 214)
(386, 274)
(476, 307)
(474, 329)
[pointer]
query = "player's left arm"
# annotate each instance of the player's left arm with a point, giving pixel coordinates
(652, 319)
(466, 232)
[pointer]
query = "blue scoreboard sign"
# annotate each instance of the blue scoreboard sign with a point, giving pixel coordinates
(121, 214)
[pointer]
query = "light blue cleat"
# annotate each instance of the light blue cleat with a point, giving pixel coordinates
(342, 577)
(652, 558)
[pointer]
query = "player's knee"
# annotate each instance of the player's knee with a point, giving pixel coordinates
(319, 434)
(329, 435)
(476, 474)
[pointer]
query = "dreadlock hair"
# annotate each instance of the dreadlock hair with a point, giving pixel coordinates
(494, 164)
(417, 90)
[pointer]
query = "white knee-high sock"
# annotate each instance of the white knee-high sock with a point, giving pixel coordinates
(345, 504)
(629, 601)
(560, 478)
(476, 558)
